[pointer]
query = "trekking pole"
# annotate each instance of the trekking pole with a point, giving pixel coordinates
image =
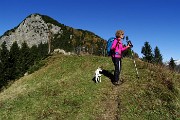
(131, 45)
(135, 64)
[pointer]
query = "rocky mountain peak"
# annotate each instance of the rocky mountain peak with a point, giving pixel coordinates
(33, 30)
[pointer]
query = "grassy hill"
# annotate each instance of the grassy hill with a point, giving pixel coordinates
(64, 89)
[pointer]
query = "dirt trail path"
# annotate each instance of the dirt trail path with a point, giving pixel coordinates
(111, 104)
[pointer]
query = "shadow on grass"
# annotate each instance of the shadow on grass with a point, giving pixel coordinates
(108, 74)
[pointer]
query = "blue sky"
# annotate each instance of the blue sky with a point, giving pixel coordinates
(155, 21)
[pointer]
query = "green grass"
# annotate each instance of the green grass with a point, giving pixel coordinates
(64, 89)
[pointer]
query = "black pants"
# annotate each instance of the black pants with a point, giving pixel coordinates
(117, 65)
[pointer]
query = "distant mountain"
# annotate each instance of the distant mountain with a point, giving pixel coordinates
(177, 62)
(32, 30)
(37, 28)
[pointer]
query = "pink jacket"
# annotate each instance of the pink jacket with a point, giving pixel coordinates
(117, 46)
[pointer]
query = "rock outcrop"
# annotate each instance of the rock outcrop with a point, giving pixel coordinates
(33, 30)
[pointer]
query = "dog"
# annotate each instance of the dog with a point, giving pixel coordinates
(98, 75)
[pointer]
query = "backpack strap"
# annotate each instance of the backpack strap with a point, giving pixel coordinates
(116, 53)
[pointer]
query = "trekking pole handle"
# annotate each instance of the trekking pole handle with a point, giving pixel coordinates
(129, 42)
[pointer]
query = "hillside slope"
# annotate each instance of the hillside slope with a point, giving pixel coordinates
(64, 89)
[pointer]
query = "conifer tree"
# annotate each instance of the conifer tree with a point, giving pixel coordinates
(157, 56)
(4, 57)
(34, 53)
(147, 52)
(172, 64)
(42, 50)
(14, 61)
(1, 71)
(24, 58)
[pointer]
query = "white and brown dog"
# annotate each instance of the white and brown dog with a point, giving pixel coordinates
(98, 75)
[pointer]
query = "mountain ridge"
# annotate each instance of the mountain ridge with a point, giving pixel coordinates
(37, 28)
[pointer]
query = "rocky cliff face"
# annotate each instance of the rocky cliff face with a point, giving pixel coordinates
(33, 30)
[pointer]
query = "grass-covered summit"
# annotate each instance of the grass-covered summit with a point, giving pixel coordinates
(64, 89)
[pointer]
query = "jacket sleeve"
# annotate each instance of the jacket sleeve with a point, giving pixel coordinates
(124, 48)
(114, 44)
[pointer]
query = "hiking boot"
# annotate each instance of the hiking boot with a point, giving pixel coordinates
(117, 83)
